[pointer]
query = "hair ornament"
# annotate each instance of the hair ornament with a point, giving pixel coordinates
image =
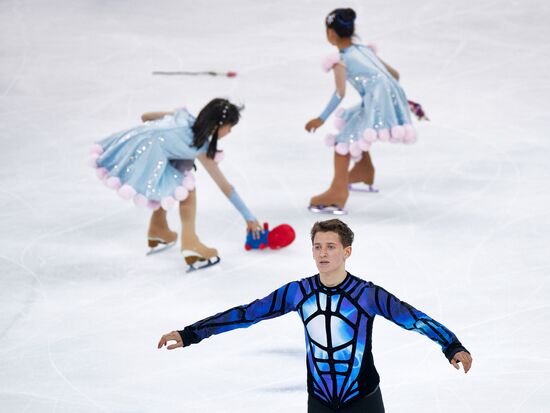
(224, 113)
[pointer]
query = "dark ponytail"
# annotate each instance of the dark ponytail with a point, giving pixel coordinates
(216, 113)
(342, 21)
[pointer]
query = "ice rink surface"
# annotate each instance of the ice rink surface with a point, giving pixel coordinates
(460, 229)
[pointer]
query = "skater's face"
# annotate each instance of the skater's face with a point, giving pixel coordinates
(329, 253)
(224, 130)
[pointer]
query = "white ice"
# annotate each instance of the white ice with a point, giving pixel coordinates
(460, 228)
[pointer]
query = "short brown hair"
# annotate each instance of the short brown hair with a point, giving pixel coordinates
(334, 225)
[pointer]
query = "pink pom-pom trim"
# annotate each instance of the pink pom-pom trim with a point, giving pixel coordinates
(330, 140)
(398, 132)
(113, 182)
(384, 135)
(180, 193)
(126, 191)
(93, 160)
(188, 182)
(373, 47)
(96, 149)
(140, 200)
(357, 158)
(355, 150)
(364, 145)
(369, 135)
(167, 202)
(189, 176)
(339, 123)
(101, 172)
(219, 156)
(330, 61)
(342, 148)
(410, 134)
(154, 205)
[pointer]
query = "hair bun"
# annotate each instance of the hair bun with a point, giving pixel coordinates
(342, 21)
(348, 14)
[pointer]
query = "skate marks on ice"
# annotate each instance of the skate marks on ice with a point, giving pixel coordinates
(35, 347)
(483, 243)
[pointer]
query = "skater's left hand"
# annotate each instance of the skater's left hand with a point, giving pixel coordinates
(463, 357)
(172, 336)
(314, 124)
(255, 228)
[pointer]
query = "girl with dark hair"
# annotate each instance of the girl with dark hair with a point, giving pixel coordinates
(382, 115)
(151, 164)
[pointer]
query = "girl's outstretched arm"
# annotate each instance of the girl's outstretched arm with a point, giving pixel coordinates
(340, 82)
(216, 174)
(148, 116)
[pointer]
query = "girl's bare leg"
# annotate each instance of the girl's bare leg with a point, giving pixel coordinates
(362, 171)
(189, 239)
(158, 232)
(338, 192)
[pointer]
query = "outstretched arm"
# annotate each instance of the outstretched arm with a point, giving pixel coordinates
(340, 82)
(381, 302)
(215, 173)
(229, 191)
(154, 116)
(274, 305)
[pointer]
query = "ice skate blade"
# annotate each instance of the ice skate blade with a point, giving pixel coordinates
(157, 245)
(203, 264)
(329, 209)
(192, 256)
(363, 188)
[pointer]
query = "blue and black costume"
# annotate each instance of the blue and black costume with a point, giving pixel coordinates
(338, 326)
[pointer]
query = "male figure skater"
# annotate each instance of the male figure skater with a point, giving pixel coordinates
(338, 310)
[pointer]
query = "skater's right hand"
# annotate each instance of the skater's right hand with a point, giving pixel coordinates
(314, 124)
(255, 228)
(172, 336)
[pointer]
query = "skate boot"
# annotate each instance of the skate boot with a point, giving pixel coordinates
(361, 176)
(198, 256)
(160, 239)
(330, 202)
(334, 200)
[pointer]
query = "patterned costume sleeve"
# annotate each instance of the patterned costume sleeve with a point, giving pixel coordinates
(274, 305)
(380, 301)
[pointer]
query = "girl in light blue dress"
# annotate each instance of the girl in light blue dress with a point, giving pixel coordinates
(382, 115)
(152, 164)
